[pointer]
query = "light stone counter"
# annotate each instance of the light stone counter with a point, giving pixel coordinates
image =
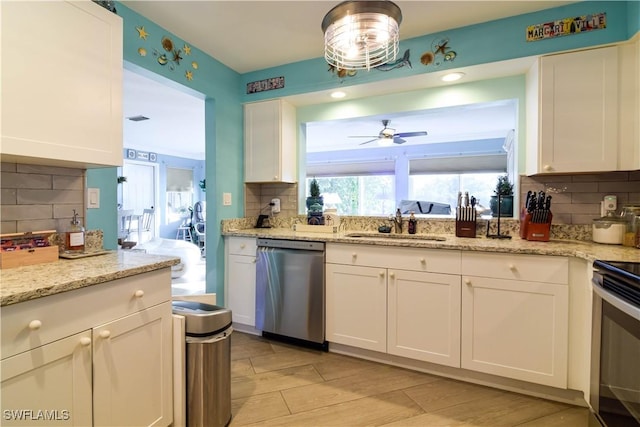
(574, 248)
(35, 281)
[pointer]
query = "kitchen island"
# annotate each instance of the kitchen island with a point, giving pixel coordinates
(88, 340)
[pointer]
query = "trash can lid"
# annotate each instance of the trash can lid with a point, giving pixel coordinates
(202, 319)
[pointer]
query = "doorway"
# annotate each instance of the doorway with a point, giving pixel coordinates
(140, 192)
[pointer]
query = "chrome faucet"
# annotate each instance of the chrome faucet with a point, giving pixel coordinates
(397, 222)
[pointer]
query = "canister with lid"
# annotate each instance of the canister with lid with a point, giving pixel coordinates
(630, 213)
(609, 230)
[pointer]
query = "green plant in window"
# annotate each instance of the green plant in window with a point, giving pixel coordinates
(314, 188)
(503, 186)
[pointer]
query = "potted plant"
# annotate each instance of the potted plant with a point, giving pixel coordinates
(314, 196)
(504, 189)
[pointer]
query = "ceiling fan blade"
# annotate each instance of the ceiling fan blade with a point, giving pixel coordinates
(371, 140)
(408, 134)
(397, 140)
(362, 136)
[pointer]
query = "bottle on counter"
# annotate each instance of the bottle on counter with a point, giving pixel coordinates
(413, 223)
(74, 237)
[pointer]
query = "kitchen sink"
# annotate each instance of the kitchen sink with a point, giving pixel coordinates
(365, 235)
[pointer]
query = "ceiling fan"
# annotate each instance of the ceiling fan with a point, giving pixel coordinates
(389, 135)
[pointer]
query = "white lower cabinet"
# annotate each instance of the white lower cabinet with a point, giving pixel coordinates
(424, 316)
(409, 312)
(49, 385)
(356, 306)
(516, 327)
(500, 314)
(240, 279)
(131, 359)
(99, 355)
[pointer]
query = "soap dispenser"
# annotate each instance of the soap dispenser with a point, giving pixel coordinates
(74, 241)
(413, 222)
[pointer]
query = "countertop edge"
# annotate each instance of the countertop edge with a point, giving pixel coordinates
(113, 266)
(587, 251)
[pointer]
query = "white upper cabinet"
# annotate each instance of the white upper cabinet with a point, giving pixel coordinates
(629, 152)
(269, 142)
(572, 112)
(61, 84)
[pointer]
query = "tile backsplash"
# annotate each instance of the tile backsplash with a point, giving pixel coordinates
(35, 197)
(576, 198)
(258, 196)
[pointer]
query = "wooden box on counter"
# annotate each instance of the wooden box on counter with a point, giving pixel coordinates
(29, 248)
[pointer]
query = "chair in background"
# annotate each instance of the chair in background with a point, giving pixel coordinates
(199, 224)
(125, 219)
(144, 224)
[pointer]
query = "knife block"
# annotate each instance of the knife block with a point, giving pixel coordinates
(465, 228)
(538, 232)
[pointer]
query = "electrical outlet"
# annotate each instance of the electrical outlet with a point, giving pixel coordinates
(275, 206)
(226, 199)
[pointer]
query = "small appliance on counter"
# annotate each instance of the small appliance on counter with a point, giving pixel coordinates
(263, 221)
(609, 228)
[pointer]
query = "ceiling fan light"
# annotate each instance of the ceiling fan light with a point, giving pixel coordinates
(385, 142)
(361, 34)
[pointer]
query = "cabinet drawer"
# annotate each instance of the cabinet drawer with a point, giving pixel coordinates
(241, 245)
(37, 322)
(402, 258)
(534, 268)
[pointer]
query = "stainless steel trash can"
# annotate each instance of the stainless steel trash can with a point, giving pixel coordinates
(208, 362)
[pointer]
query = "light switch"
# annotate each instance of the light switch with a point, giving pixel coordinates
(93, 198)
(226, 199)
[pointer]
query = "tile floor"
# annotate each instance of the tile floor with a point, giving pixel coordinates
(278, 384)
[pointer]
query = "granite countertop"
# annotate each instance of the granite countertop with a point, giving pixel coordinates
(26, 283)
(580, 249)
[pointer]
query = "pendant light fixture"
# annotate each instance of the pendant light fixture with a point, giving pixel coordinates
(361, 34)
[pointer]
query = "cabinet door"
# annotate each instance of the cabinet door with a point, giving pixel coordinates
(133, 369)
(579, 111)
(515, 329)
(270, 142)
(356, 308)
(61, 83)
(241, 288)
(49, 385)
(424, 316)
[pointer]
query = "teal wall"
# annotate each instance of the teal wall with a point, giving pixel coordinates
(224, 92)
(218, 85)
(477, 44)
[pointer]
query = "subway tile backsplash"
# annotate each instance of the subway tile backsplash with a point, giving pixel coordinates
(38, 197)
(576, 198)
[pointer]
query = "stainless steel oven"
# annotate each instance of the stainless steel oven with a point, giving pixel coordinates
(615, 358)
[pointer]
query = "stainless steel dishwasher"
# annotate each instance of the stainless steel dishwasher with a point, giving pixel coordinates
(290, 290)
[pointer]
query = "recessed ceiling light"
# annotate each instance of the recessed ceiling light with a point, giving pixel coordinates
(452, 77)
(338, 94)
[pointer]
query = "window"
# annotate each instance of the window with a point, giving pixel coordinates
(179, 194)
(444, 188)
(366, 195)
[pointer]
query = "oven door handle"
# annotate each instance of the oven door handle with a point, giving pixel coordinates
(617, 302)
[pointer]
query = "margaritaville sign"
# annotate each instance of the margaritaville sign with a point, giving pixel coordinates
(567, 27)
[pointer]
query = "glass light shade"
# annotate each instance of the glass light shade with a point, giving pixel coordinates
(361, 34)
